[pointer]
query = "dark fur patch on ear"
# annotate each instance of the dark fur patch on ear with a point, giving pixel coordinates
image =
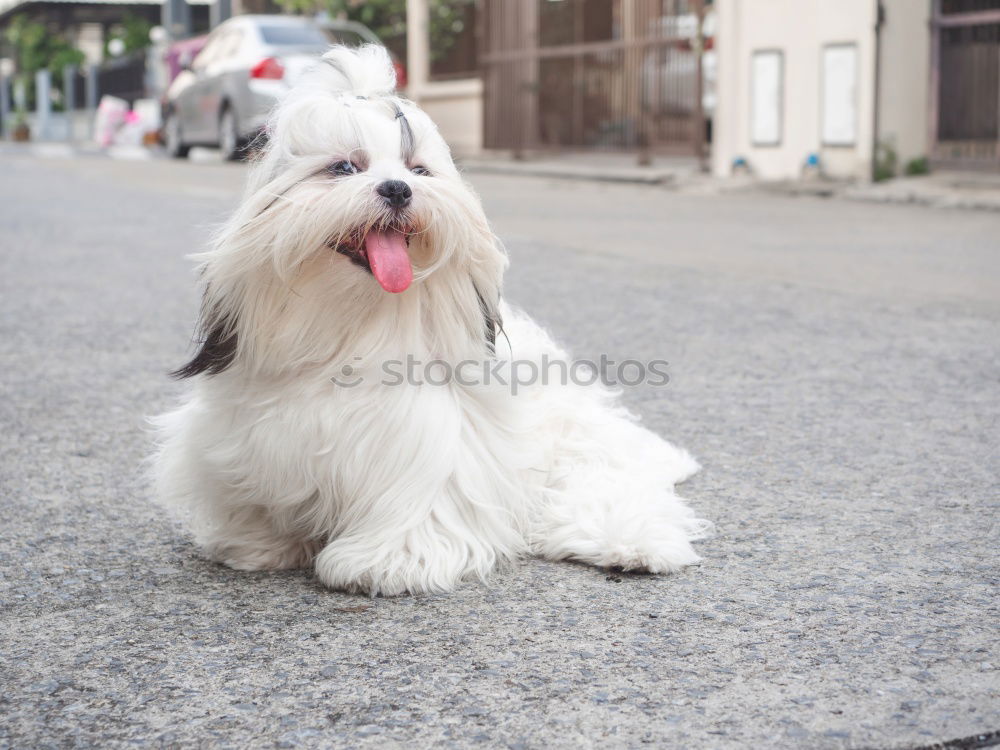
(491, 321)
(217, 352)
(491, 335)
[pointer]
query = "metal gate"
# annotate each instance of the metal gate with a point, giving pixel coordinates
(593, 74)
(965, 84)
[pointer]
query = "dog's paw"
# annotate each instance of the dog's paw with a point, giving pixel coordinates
(666, 557)
(654, 543)
(352, 566)
(247, 557)
(393, 575)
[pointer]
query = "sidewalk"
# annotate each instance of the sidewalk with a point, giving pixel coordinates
(598, 167)
(962, 190)
(69, 150)
(969, 190)
(73, 149)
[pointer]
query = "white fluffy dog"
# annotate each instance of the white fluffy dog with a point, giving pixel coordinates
(357, 244)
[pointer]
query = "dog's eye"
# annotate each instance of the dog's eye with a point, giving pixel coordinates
(421, 170)
(343, 167)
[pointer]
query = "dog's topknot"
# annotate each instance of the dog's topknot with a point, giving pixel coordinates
(365, 71)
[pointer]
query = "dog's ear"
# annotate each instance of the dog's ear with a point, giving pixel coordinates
(217, 350)
(489, 260)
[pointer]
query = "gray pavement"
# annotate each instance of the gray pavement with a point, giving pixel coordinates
(834, 366)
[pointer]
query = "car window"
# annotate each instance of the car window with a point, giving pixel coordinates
(230, 46)
(293, 36)
(209, 51)
(345, 36)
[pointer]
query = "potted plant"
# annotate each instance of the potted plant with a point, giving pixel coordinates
(35, 48)
(21, 132)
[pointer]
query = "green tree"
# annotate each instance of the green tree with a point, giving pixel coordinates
(387, 18)
(133, 31)
(36, 48)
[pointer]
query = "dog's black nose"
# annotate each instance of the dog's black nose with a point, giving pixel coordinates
(396, 193)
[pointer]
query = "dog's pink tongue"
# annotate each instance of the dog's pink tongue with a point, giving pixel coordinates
(389, 260)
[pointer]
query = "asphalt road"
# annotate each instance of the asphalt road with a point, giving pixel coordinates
(834, 366)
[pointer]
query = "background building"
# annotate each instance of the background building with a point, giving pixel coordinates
(444, 78)
(558, 75)
(859, 88)
(854, 89)
(964, 95)
(801, 78)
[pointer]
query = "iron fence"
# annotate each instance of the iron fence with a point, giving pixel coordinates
(593, 74)
(124, 77)
(965, 83)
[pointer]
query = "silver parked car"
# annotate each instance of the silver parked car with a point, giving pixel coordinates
(222, 97)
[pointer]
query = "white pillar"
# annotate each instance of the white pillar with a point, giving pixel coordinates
(69, 99)
(5, 106)
(43, 104)
(732, 77)
(418, 48)
(219, 11)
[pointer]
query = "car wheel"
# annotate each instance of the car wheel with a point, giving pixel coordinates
(173, 139)
(229, 137)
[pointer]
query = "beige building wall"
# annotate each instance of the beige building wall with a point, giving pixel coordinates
(457, 108)
(457, 105)
(905, 70)
(799, 29)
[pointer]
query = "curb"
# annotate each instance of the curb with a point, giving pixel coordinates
(929, 196)
(663, 178)
(955, 199)
(72, 150)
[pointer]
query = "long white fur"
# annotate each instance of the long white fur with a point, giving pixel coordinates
(393, 489)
